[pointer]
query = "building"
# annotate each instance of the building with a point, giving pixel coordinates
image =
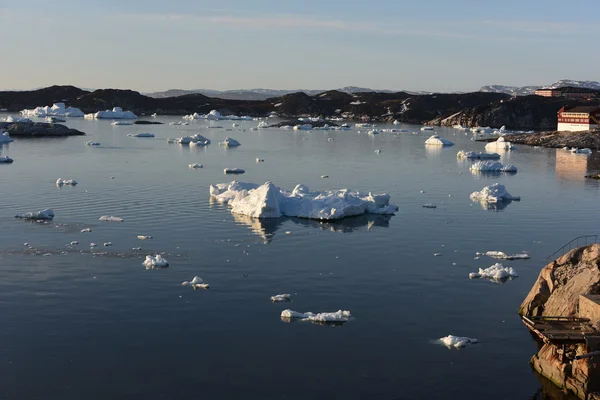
(579, 118)
(548, 92)
(569, 92)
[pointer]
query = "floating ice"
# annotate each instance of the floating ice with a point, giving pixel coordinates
(196, 283)
(373, 132)
(92, 144)
(195, 166)
(495, 193)
(269, 201)
(110, 218)
(429, 206)
(229, 142)
(427, 128)
(107, 244)
(6, 160)
(259, 160)
(54, 120)
(281, 298)
(86, 230)
(184, 140)
(141, 135)
(377, 151)
(12, 119)
(144, 237)
(499, 144)
(457, 341)
(503, 256)
(60, 182)
(496, 272)
(324, 176)
(581, 151)
(199, 140)
(155, 262)
(304, 127)
(262, 125)
(115, 113)
(331, 317)
(234, 170)
(57, 110)
(436, 140)
(492, 166)
(46, 214)
(93, 244)
(121, 123)
(477, 155)
(74, 243)
(5, 137)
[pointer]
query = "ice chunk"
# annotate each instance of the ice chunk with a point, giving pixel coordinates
(110, 218)
(436, 140)
(60, 182)
(304, 127)
(476, 155)
(457, 341)
(57, 110)
(229, 142)
(141, 135)
(196, 283)
(234, 170)
(496, 272)
(107, 244)
(92, 144)
(281, 298)
(144, 237)
(86, 230)
(269, 201)
(429, 206)
(74, 243)
(6, 160)
(115, 113)
(262, 125)
(155, 262)
(119, 123)
(46, 214)
(499, 144)
(427, 128)
(503, 256)
(195, 166)
(581, 151)
(259, 160)
(492, 166)
(495, 193)
(339, 316)
(5, 137)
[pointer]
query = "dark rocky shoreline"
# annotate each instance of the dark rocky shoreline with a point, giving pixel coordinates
(38, 129)
(590, 139)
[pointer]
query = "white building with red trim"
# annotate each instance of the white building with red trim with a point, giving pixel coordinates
(579, 118)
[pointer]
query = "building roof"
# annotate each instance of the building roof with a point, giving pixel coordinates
(582, 109)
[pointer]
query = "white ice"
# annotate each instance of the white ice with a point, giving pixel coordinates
(110, 218)
(503, 256)
(281, 298)
(262, 125)
(155, 262)
(60, 182)
(5, 137)
(196, 283)
(436, 140)
(115, 113)
(46, 214)
(229, 142)
(338, 316)
(427, 128)
(269, 201)
(92, 144)
(495, 193)
(144, 237)
(57, 110)
(12, 119)
(304, 127)
(121, 123)
(141, 135)
(195, 166)
(499, 145)
(457, 341)
(496, 272)
(492, 166)
(476, 155)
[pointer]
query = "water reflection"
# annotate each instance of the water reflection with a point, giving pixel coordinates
(266, 228)
(570, 166)
(495, 206)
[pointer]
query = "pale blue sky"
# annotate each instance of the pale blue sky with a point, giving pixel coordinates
(434, 45)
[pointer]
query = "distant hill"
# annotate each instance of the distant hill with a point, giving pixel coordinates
(527, 90)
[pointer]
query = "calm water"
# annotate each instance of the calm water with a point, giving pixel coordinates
(78, 325)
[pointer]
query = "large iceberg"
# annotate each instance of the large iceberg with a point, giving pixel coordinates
(5, 137)
(436, 140)
(214, 115)
(47, 214)
(477, 155)
(57, 110)
(492, 166)
(269, 201)
(495, 193)
(499, 145)
(229, 142)
(115, 113)
(155, 262)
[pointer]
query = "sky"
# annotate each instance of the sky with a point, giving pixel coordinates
(429, 45)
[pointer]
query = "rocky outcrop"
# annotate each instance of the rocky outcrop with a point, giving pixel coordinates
(38, 129)
(580, 140)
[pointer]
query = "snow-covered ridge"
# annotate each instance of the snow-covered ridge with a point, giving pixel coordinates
(269, 201)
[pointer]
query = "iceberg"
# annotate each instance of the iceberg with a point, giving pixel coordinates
(477, 155)
(141, 135)
(196, 283)
(115, 113)
(457, 341)
(11, 119)
(339, 316)
(184, 140)
(427, 128)
(496, 272)
(492, 166)
(57, 110)
(200, 140)
(495, 193)
(110, 218)
(229, 142)
(262, 125)
(278, 298)
(195, 166)
(269, 201)
(46, 214)
(121, 123)
(234, 170)
(436, 140)
(500, 145)
(6, 160)
(304, 127)
(503, 256)
(60, 182)
(92, 144)
(155, 262)
(5, 138)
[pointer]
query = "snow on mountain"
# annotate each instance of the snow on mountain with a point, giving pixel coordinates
(527, 90)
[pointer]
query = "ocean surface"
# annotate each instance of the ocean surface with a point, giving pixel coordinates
(82, 323)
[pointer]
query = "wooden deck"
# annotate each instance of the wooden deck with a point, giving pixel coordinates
(561, 330)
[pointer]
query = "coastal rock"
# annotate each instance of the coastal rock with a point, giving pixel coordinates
(557, 139)
(38, 129)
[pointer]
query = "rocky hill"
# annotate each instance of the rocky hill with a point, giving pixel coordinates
(527, 90)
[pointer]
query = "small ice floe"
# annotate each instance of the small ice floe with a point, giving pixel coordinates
(195, 166)
(110, 218)
(199, 140)
(429, 206)
(229, 142)
(144, 237)
(154, 115)
(436, 140)
(46, 214)
(6, 160)
(303, 127)
(373, 132)
(5, 137)
(171, 140)
(136, 248)
(118, 123)
(339, 316)
(278, 298)
(69, 182)
(234, 170)
(476, 155)
(377, 151)
(259, 160)
(84, 230)
(74, 243)
(261, 125)
(93, 244)
(492, 166)
(496, 272)
(437, 254)
(495, 193)
(324, 176)
(92, 144)
(107, 244)
(427, 128)
(500, 255)
(499, 144)
(585, 151)
(330, 139)
(457, 341)
(196, 283)
(184, 140)
(155, 262)
(141, 135)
